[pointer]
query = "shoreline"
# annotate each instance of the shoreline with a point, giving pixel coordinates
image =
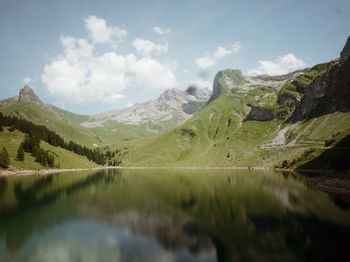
(25, 172)
(338, 187)
(13, 171)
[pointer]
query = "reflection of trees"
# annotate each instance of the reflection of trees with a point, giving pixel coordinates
(35, 196)
(3, 185)
(240, 233)
(32, 198)
(30, 194)
(303, 237)
(242, 215)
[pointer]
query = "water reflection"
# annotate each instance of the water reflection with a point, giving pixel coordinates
(82, 240)
(168, 215)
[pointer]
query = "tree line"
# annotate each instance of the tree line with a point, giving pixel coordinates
(31, 145)
(39, 132)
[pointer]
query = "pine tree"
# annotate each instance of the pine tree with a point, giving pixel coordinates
(4, 158)
(20, 153)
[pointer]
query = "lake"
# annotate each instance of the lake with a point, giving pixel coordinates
(169, 215)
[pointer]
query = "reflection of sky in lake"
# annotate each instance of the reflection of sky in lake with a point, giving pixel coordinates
(90, 241)
(174, 215)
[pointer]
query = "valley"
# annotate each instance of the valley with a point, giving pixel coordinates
(174, 131)
(283, 121)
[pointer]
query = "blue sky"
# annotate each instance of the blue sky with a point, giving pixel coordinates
(95, 56)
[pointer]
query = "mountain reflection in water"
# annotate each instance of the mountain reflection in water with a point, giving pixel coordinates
(168, 215)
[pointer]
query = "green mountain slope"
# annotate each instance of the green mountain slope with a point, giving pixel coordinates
(281, 121)
(248, 123)
(63, 158)
(68, 124)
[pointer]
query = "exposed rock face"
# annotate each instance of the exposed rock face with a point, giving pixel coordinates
(173, 105)
(259, 114)
(27, 94)
(328, 93)
(345, 53)
(216, 87)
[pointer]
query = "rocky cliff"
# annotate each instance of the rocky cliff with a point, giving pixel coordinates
(27, 94)
(329, 92)
(303, 94)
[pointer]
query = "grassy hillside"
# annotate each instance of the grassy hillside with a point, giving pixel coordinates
(248, 122)
(68, 124)
(63, 158)
(220, 134)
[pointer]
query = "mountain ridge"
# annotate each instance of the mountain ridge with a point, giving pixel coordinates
(248, 122)
(245, 121)
(173, 105)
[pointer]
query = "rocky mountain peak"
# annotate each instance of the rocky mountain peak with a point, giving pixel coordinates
(170, 94)
(172, 107)
(345, 53)
(226, 79)
(27, 94)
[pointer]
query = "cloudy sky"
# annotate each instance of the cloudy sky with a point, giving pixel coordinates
(95, 56)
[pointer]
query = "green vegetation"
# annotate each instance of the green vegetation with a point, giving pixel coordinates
(68, 125)
(288, 91)
(37, 133)
(218, 136)
(63, 157)
(230, 77)
(20, 153)
(263, 96)
(31, 145)
(4, 158)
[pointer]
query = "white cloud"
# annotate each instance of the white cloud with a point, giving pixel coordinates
(79, 75)
(147, 47)
(205, 62)
(75, 50)
(161, 31)
(282, 65)
(220, 52)
(27, 80)
(150, 72)
(99, 32)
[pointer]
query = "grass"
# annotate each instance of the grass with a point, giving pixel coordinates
(217, 136)
(64, 158)
(214, 136)
(68, 125)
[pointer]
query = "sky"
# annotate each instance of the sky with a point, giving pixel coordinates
(95, 56)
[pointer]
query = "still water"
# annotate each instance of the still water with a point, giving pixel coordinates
(169, 215)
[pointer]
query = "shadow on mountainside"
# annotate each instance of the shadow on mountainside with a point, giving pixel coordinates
(337, 183)
(336, 158)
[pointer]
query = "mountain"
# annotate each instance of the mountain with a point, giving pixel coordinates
(63, 157)
(284, 121)
(27, 105)
(120, 127)
(171, 108)
(27, 94)
(273, 121)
